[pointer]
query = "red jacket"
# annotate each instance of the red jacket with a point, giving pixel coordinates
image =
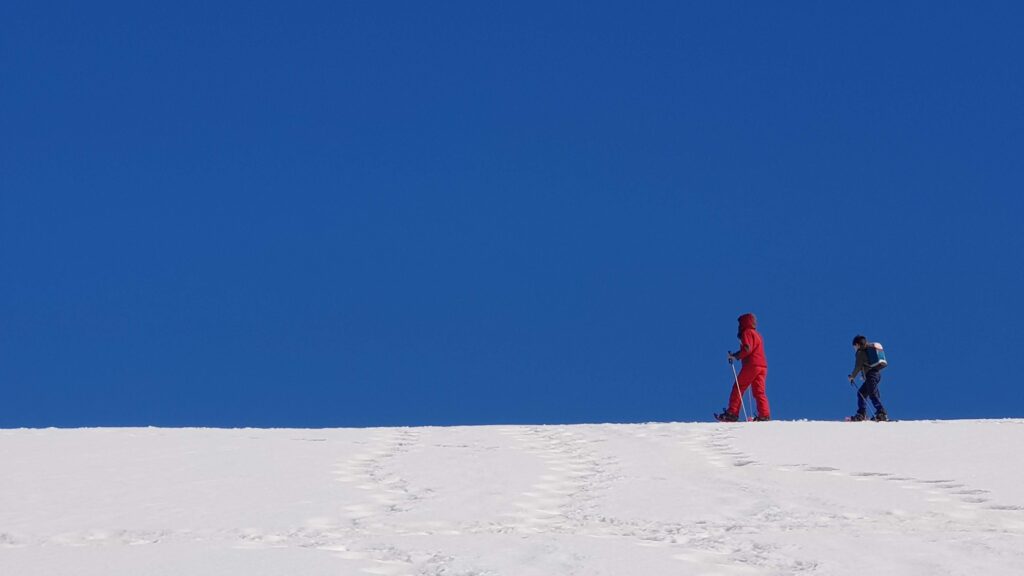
(751, 350)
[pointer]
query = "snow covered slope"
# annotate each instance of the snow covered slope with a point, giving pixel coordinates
(928, 498)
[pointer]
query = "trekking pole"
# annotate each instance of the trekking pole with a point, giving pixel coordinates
(736, 380)
(865, 400)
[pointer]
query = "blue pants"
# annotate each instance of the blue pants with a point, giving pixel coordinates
(869, 390)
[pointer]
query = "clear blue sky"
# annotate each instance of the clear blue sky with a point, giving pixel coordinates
(390, 213)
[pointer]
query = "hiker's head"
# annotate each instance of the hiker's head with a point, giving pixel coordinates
(747, 322)
(859, 341)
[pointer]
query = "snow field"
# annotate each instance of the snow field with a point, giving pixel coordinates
(648, 499)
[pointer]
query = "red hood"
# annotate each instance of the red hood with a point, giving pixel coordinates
(748, 322)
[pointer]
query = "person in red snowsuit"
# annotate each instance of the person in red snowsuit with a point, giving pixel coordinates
(754, 371)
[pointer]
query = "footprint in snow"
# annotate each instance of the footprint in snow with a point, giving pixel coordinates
(1007, 507)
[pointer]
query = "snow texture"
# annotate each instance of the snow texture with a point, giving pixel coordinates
(906, 498)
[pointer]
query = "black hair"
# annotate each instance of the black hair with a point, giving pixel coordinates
(858, 339)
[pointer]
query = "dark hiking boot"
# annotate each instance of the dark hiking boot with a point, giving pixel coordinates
(760, 418)
(726, 416)
(858, 417)
(880, 417)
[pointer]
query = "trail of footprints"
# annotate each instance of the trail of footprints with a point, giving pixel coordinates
(386, 494)
(720, 452)
(711, 545)
(562, 498)
(565, 501)
(367, 470)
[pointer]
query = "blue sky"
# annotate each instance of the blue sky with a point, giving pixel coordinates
(405, 213)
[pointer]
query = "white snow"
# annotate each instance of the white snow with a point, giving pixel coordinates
(906, 498)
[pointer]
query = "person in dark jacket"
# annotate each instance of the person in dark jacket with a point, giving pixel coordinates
(753, 374)
(872, 378)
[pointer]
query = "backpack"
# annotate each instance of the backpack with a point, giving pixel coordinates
(876, 355)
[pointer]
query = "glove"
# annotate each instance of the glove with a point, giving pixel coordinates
(852, 378)
(732, 358)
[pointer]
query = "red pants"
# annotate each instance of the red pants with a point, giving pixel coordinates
(751, 376)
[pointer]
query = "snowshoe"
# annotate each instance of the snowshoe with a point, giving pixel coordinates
(760, 418)
(858, 417)
(726, 416)
(880, 417)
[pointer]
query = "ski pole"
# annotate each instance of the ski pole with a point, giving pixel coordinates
(736, 380)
